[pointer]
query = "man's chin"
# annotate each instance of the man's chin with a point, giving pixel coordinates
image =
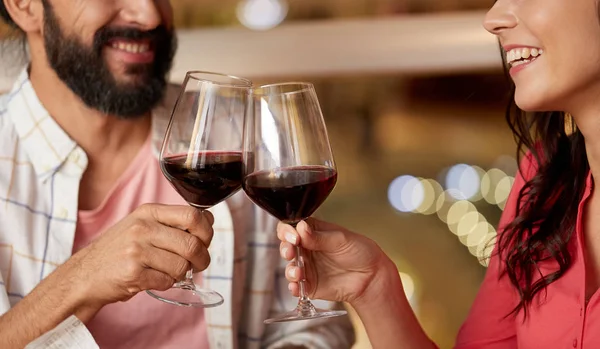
(133, 80)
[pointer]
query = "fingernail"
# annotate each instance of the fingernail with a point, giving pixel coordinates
(292, 273)
(284, 251)
(290, 287)
(291, 238)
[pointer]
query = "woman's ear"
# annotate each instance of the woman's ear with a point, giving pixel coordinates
(27, 14)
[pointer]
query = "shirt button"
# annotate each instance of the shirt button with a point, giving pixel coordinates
(75, 156)
(62, 213)
(575, 343)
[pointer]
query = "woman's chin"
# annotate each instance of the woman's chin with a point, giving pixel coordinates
(530, 105)
(530, 99)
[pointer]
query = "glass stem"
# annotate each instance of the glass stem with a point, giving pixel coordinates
(189, 276)
(300, 264)
(305, 307)
(188, 282)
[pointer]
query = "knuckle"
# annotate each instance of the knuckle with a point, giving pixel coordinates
(191, 216)
(132, 290)
(181, 267)
(194, 247)
(205, 261)
(139, 226)
(210, 233)
(210, 218)
(131, 272)
(145, 209)
(133, 253)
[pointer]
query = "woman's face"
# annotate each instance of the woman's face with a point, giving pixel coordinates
(553, 48)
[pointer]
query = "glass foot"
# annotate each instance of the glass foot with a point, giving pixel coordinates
(305, 311)
(188, 295)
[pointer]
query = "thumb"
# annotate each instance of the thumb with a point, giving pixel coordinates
(321, 236)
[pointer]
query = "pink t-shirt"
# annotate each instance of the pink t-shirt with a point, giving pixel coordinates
(141, 322)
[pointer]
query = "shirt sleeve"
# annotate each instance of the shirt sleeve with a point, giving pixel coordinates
(489, 325)
(71, 333)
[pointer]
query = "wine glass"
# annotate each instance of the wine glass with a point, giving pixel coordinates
(201, 157)
(289, 169)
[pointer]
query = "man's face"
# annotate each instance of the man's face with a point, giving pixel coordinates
(113, 54)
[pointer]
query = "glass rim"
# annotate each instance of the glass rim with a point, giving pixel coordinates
(302, 87)
(196, 75)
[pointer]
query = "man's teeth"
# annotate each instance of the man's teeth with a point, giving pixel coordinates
(519, 56)
(131, 47)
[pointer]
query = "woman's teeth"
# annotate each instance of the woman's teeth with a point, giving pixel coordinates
(518, 56)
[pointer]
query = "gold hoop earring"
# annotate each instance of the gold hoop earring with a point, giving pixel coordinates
(570, 126)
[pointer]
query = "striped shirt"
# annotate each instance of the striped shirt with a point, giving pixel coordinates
(40, 172)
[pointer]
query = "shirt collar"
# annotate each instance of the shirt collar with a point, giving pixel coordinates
(46, 144)
(589, 181)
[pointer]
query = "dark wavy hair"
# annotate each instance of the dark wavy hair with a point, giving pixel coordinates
(547, 204)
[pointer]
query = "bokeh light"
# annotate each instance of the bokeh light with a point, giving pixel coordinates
(409, 285)
(478, 234)
(406, 193)
(456, 212)
(443, 204)
(489, 182)
(262, 14)
(468, 222)
(503, 190)
(431, 191)
(465, 185)
(463, 181)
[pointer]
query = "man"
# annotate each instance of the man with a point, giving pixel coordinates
(78, 137)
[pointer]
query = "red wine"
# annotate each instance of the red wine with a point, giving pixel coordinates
(210, 178)
(291, 194)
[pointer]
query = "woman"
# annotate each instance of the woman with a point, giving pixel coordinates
(540, 288)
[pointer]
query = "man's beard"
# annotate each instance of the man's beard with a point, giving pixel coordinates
(84, 70)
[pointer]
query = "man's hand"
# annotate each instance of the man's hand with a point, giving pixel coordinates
(148, 250)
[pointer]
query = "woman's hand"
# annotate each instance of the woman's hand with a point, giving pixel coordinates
(340, 265)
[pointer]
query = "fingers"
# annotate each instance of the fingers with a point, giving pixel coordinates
(323, 236)
(151, 279)
(200, 224)
(167, 263)
(294, 289)
(187, 218)
(293, 273)
(303, 234)
(286, 232)
(183, 244)
(287, 251)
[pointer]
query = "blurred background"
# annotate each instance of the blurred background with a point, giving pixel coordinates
(413, 94)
